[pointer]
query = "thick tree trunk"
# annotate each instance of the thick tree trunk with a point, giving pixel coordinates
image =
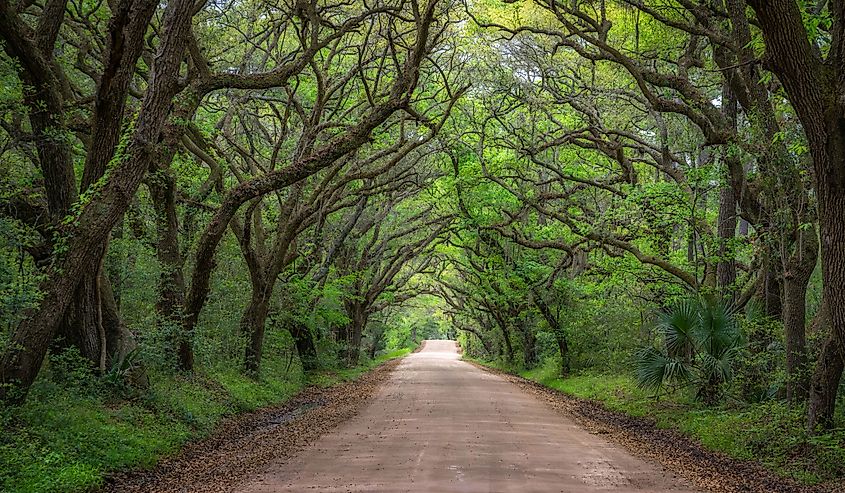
(817, 93)
(797, 270)
(92, 323)
(794, 314)
(358, 316)
(726, 267)
(508, 346)
(506, 338)
(563, 349)
(825, 383)
(557, 330)
(305, 347)
(119, 340)
(253, 326)
(80, 326)
(21, 360)
(829, 159)
(84, 324)
(170, 305)
(529, 347)
(769, 293)
(115, 265)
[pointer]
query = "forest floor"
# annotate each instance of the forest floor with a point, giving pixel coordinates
(247, 444)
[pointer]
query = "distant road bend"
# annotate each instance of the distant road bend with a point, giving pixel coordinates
(441, 425)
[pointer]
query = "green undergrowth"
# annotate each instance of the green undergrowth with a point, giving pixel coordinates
(74, 429)
(329, 377)
(771, 432)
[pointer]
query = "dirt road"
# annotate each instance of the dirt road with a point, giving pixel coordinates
(441, 425)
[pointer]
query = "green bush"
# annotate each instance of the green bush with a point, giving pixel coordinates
(699, 341)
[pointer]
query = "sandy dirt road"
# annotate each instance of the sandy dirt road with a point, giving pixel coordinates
(441, 425)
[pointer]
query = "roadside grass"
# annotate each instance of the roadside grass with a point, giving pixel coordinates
(771, 432)
(71, 433)
(333, 376)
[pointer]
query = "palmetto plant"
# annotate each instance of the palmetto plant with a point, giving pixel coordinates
(699, 341)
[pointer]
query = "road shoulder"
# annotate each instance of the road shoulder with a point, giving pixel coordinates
(706, 469)
(246, 445)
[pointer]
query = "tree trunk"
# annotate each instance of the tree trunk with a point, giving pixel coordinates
(22, 358)
(557, 330)
(563, 349)
(84, 323)
(253, 326)
(816, 92)
(92, 322)
(769, 292)
(829, 159)
(794, 314)
(797, 270)
(170, 305)
(116, 260)
(357, 334)
(529, 346)
(358, 320)
(726, 267)
(305, 347)
(506, 337)
(80, 326)
(824, 385)
(830, 366)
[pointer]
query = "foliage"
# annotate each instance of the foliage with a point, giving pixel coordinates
(699, 342)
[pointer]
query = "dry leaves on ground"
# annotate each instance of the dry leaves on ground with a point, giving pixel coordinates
(244, 446)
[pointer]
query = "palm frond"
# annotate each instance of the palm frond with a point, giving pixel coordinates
(654, 368)
(677, 325)
(717, 329)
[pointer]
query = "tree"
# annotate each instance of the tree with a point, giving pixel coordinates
(813, 83)
(84, 233)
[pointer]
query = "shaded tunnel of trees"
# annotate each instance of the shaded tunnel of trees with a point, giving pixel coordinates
(516, 161)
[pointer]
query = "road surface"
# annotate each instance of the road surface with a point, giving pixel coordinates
(442, 425)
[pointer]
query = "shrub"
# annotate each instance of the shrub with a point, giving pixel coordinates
(699, 342)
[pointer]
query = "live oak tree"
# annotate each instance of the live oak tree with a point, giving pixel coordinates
(81, 238)
(810, 67)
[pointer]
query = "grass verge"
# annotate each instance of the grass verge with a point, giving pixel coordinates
(329, 377)
(771, 433)
(72, 431)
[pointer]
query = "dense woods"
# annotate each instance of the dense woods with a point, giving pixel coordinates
(256, 189)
